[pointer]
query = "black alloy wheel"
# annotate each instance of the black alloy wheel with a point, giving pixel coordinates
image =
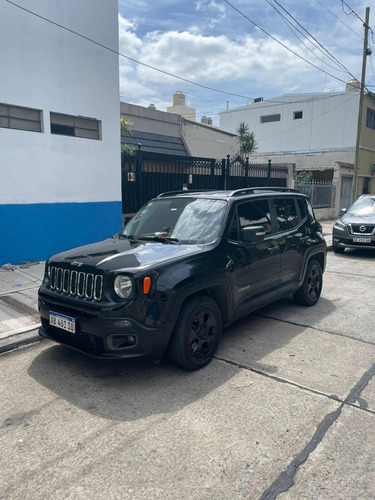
(311, 288)
(197, 333)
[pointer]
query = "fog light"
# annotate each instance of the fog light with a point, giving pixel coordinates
(124, 323)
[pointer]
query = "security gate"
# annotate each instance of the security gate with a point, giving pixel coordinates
(145, 175)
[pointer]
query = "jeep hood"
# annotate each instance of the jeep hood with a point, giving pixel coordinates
(121, 254)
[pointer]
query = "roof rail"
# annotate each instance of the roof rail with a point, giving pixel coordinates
(183, 191)
(253, 190)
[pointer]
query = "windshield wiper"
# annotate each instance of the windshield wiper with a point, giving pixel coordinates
(161, 239)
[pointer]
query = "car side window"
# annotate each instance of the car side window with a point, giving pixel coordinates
(286, 213)
(255, 213)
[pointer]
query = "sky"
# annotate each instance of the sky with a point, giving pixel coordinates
(210, 43)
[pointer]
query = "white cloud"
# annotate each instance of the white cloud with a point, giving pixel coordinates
(210, 58)
(248, 64)
(210, 5)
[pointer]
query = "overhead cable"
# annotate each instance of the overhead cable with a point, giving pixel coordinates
(312, 36)
(127, 57)
(337, 17)
(352, 11)
(292, 28)
(281, 43)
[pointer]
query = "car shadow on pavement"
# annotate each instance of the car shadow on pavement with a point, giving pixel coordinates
(123, 390)
(353, 253)
(130, 390)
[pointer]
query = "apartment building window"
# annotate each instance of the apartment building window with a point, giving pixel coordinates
(370, 119)
(19, 118)
(75, 126)
(270, 118)
(297, 115)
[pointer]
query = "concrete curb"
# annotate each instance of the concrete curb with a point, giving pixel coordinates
(19, 339)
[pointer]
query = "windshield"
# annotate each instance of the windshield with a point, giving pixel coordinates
(182, 220)
(363, 207)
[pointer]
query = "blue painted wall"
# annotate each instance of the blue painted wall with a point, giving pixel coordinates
(32, 232)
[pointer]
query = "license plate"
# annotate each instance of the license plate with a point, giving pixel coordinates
(361, 240)
(61, 321)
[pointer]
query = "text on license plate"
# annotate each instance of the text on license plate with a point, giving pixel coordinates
(362, 240)
(61, 321)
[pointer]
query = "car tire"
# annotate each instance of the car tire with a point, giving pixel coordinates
(197, 334)
(308, 294)
(337, 249)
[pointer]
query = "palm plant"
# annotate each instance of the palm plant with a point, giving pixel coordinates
(126, 131)
(248, 143)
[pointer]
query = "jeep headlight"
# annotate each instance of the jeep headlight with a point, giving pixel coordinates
(123, 286)
(339, 225)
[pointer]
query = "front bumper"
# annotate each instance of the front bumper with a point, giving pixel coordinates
(99, 335)
(342, 238)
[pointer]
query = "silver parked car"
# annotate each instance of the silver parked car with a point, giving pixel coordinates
(355, 228)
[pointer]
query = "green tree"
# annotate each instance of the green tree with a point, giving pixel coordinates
(303, 177)
(246, 139)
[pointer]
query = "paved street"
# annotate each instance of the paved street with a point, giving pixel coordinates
(286, 410)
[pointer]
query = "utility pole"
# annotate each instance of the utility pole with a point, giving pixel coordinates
(366, 52)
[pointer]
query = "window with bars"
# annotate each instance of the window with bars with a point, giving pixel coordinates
(75, 126)
(20, 118)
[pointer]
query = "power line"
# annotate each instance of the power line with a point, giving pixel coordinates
(280, 43)
(127, 57)
(292, 28)
(351, 11)
(341, 21)
(317, 41)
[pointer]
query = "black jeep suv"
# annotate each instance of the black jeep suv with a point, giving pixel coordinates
(187, 264)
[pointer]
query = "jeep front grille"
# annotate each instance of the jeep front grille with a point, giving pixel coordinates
(76, 283)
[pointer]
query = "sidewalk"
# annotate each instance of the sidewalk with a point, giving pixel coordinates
(19, 317)
(327, 226)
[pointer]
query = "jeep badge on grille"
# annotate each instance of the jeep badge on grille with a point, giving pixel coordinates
(76, 263)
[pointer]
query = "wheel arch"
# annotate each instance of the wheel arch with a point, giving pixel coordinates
(319, 257)
(216, 293)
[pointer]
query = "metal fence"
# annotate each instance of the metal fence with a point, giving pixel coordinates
(322, 193)
(145, 175)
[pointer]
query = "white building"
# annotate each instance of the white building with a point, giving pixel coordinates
(317, 132)
(60, 171)
(299, 122)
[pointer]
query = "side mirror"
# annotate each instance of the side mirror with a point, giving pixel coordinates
(343, 211)
(253, 233)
